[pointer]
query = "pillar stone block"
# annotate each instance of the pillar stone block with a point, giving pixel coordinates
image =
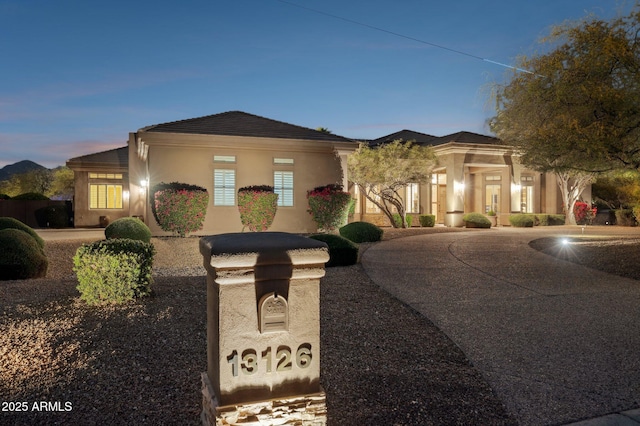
(263, 326)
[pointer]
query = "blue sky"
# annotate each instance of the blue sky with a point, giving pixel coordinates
(77, 76)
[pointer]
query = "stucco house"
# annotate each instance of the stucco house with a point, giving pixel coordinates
(227, 151)
(221, 153)
(476, 173)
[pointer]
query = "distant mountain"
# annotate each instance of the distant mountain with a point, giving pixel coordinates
(23, 166)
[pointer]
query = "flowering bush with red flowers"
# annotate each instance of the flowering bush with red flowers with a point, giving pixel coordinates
(179, 208)
(257, 206)
(329, 206)
(584, 212)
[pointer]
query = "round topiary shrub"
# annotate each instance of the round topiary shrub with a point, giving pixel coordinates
(362, 232)
(11, 223)
(427, 220)
(257, 205)
(476, 220)
(522, 220)
(21, 257)
(128, 227)
(342, 252)
(329, 206)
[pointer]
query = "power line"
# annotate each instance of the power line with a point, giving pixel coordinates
(373, 27)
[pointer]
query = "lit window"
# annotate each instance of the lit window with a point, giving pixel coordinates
(103, 196)
(492, 198)
(526, 194)
(413, 198)
(224, 187)
(224, 158)
(283, 161)
(283, 186)
(104, 193)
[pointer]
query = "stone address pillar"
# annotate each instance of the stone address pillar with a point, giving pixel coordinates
(263, 329)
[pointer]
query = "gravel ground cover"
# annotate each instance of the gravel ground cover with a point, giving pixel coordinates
(382, 363)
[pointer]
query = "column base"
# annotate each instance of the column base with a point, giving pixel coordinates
(302, 410)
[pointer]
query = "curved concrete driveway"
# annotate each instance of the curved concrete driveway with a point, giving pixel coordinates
(558, 342)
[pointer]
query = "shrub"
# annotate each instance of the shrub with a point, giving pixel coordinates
(257, 206)
(522, 220)
(20, 256)
(476, 220)
(5, 197)
(342, 252)
(361, 232)
(544, 219)
(625, 217)
(31, 196)
(179, 207)
(128, 227)
(329, 206)
(427, 220)
(114, 271)
(584, 212)
(11, 223)
(398, 220)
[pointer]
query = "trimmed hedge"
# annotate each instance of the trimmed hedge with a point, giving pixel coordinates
(342, 252)
(549, 219)
(476, 220)
(11, 223)
(257, 205)
(114, 271)
(427, 220)
(361, 232)
(398, 220)
(128, 227)
(522, 220)
(21, 257)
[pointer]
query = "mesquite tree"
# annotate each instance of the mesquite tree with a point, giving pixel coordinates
(575, 111)
(382, 172)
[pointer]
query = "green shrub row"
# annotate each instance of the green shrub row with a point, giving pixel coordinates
(398, 220)
(476, 220)
(114, 271)
(522, 220)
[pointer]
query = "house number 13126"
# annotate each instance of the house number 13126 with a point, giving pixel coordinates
(249, 362)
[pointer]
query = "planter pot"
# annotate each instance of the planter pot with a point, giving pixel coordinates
(493, 220)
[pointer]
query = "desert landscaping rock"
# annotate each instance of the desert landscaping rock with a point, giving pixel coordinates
(382, 362)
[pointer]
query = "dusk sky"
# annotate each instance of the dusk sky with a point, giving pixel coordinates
(78, 76)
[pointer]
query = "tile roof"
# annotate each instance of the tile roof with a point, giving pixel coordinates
(118, 157)
(405, 135)
(466, 137)
(238, 123)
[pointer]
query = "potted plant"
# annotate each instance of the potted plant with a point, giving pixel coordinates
(493, 218)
